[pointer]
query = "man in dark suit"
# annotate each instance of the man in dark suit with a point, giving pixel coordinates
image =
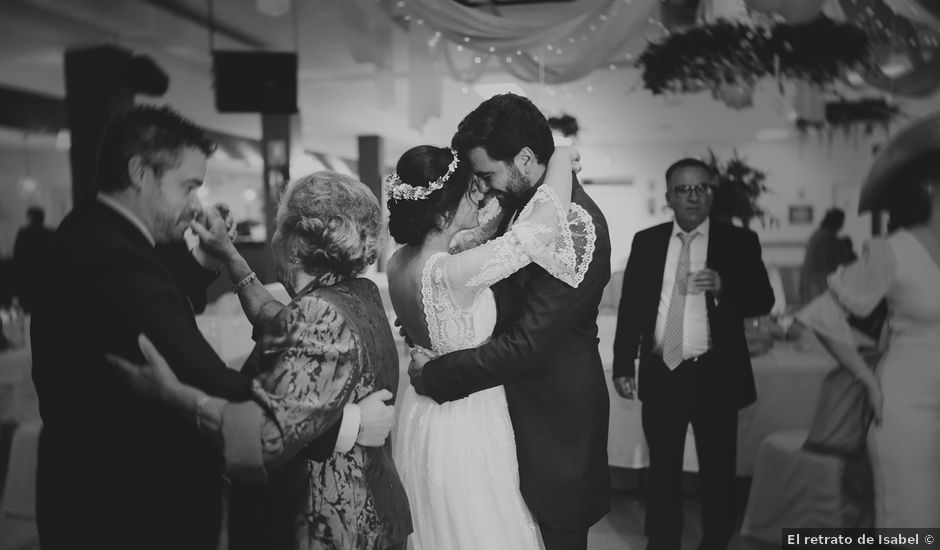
(687, 288)
(544, 347)
(116, 471)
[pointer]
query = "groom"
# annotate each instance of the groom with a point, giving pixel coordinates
(544, 347)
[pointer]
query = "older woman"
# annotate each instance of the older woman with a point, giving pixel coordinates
(331, 345)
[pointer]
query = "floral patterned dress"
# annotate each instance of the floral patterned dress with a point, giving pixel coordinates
(331, 345)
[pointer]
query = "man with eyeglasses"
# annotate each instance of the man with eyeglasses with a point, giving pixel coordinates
(687, 288)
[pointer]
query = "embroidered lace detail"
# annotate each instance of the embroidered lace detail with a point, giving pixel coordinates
(560, 241)
(583, 237)
(450, 328)
(509, 255)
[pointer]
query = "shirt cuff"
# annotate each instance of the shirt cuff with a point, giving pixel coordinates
(241, 436)
(349, 429)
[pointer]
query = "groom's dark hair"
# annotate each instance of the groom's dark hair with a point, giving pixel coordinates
(504, 124)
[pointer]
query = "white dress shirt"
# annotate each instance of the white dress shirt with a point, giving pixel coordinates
(696, 338)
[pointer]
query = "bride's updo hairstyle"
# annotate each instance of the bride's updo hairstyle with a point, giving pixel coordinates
(410, 219)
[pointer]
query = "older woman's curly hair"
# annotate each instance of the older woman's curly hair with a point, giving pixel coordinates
(332, 223)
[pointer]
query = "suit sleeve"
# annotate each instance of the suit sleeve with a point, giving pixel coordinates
(746, 289)
(147, 298)
(550, 308)
(627, 337)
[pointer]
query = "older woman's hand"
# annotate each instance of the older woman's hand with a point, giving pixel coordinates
(215, 229)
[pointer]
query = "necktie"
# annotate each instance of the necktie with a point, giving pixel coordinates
(672, 336)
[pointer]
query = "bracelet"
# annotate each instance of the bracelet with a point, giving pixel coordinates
(244, 282)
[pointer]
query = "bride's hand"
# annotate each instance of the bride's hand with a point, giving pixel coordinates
(153, 379)
(573, 155)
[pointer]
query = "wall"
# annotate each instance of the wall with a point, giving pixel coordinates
(808, 173)
(226, 181)
(51, 173)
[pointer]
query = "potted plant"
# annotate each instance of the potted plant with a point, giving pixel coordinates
(740, 186)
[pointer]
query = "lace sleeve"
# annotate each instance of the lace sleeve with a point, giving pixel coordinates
(488, 223)
(544, 233)
(853, 290)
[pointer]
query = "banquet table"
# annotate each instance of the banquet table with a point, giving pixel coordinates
(788, 379)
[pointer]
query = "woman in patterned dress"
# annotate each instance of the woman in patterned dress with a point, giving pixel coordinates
(331, 345)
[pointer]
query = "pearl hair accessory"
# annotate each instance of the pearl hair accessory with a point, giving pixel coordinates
(395, 189)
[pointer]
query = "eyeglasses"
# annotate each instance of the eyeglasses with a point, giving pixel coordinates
(699, 189)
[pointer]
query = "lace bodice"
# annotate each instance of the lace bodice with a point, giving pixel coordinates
(459, 308)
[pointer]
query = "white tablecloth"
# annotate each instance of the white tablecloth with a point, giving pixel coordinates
(788, 381)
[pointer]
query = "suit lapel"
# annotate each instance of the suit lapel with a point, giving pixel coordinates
(713, 260)
(658, 259)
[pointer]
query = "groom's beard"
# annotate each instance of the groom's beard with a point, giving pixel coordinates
(517, 193)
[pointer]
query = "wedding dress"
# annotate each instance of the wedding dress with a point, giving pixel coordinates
(458, 460)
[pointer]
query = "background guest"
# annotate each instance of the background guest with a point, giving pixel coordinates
(31, 257)
(687, 287)
(904, 391)
(824, 253)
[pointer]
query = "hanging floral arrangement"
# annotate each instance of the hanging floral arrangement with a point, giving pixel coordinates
(723, 53)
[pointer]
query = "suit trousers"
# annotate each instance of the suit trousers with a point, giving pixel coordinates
(666, 418)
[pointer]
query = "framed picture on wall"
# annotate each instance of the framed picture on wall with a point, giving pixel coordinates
(801, 214)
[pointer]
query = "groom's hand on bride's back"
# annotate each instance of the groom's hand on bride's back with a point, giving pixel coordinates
(376, 419)
(416, 370)
(401, 330)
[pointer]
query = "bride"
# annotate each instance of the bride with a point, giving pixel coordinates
(458, 460)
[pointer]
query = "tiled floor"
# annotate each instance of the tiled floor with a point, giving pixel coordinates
(621, 529)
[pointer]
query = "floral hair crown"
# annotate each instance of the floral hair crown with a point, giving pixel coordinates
(395, 189)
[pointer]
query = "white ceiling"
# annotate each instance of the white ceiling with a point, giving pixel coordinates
(337, 96)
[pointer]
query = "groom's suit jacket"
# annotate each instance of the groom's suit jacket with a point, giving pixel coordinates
(544, 351)
(735, 254)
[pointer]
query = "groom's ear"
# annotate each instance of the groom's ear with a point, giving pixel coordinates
(525, 160)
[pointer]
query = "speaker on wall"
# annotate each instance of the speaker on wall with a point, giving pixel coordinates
(255, 82)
